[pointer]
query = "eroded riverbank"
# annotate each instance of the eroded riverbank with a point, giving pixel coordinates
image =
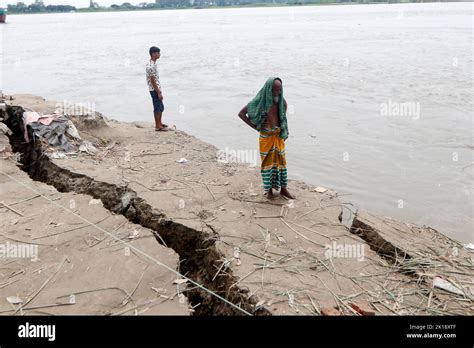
(249, 255)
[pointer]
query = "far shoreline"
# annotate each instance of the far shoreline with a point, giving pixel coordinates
(107, 10)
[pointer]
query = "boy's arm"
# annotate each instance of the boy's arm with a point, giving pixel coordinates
(244, 117)
(155, 87)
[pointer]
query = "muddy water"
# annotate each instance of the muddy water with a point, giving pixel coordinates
(380, 96)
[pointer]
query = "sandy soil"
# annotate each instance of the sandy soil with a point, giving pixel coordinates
(276, 253)
(77, 257)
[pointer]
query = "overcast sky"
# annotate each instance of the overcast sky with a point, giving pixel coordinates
(77, 3)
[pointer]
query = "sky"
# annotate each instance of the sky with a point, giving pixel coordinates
(77, 3)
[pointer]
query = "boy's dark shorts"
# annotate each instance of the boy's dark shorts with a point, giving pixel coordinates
(157, 102)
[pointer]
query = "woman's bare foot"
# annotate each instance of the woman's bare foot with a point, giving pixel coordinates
(286, 193)
(270, 195)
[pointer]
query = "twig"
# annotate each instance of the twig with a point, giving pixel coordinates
(41, 306)
(238, 281)
(165, 189)
(337, 298)
(153, 154)
(251, 201)
(166, 298)
(313, 210)
(129, 296)
(302, 235)
(25, 242)
(24, 200)
(73, 229)
(263, 269)
(116, 229)
(10, 208)
(220, 268)
(210, 191)
(156, 234)
(92, 290)
(309, 229)
(6, 284)
(314, 306)
(267, 216)
(42, 286)
(181, 182)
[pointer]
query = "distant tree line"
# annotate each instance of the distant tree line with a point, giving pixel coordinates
(38, 6)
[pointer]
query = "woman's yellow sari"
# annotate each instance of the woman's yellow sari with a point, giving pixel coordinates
(272, 153)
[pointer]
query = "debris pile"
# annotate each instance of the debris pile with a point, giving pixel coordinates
(58, 134)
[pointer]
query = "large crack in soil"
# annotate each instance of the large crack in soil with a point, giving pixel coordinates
(385, 249)
(198, 255)
(377, 243)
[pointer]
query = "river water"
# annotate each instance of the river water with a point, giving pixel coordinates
(380, 96)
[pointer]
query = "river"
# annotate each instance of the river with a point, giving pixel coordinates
(380, 96)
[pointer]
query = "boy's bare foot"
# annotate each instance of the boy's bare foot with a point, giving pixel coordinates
(286, 193)
(270, 195)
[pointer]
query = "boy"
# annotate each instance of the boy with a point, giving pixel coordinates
(154, 87)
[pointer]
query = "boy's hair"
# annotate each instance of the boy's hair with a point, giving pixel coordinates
(153, 50)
